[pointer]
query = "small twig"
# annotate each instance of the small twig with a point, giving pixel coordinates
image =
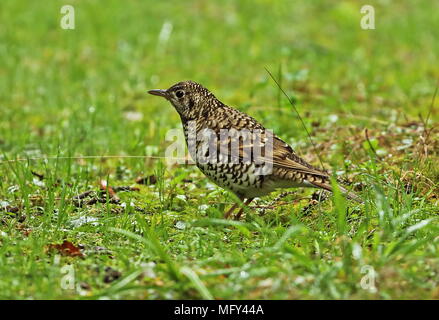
(125, 188)
(38, 175)
(83, 195)
(431, 108)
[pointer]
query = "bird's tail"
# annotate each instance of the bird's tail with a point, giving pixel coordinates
(348, 194)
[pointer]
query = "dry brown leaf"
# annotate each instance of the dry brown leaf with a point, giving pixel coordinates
(67, 249)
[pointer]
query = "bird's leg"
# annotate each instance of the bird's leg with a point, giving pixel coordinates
(246, 203)
(228, 213)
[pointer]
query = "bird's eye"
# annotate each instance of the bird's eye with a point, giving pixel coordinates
(179, 94)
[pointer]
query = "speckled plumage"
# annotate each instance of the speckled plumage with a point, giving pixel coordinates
(200, 111)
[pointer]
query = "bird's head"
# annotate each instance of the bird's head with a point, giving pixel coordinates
(190, 99)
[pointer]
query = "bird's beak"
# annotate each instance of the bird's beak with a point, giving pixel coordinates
(158, 92)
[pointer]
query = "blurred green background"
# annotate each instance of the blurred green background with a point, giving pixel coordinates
(82, 92)
(50, 77)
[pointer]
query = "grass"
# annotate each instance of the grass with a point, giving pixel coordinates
(65, 94)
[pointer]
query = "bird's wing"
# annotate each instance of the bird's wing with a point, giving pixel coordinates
(283, 156)
(262, 150)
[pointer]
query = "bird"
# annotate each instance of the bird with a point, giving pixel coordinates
(227, 156)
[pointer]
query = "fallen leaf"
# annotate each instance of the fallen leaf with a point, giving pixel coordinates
(67, 248)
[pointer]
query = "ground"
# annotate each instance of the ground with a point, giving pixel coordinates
(76, 225)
